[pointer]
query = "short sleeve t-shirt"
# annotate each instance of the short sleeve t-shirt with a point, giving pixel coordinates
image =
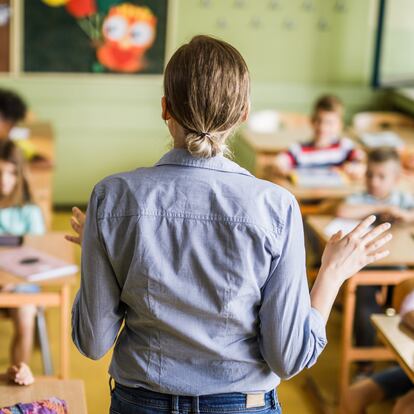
(19, 221)
(307, 155)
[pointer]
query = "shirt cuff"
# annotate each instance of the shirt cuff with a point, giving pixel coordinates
(318, 325)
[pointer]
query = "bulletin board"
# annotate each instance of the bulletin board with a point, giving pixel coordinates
(5, 13)
(94, 36)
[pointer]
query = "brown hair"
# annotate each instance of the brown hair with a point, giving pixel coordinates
(206, 86)
(20, 196)
(329, 103)
(384, 154)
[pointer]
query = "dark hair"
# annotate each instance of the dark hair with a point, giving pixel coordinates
(9, 152)
(206, 87)
(383, 154)
(12, 106)
(329, 103)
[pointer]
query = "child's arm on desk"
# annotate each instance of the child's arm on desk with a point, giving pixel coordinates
(404, 216)
(360, 211)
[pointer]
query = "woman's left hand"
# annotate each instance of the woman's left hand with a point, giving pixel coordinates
(77, 222)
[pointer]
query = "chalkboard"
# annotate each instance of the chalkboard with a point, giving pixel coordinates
(95, 36)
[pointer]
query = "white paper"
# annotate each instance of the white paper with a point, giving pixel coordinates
(346, 225)
(264, 122)
(382, 139)
(19, 133)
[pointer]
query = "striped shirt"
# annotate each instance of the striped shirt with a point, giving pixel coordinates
(308, 155)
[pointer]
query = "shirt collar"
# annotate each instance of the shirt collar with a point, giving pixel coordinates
(180, 156)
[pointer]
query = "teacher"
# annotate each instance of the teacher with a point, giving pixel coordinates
(201, 264)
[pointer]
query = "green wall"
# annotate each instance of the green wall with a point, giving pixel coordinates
(107, 124)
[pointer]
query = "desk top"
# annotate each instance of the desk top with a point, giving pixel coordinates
(72, 391)
(398, 338)
(52, 243)
(336, 193)
(405, 133)
(401, 246)
(276, 141)
(320, 193)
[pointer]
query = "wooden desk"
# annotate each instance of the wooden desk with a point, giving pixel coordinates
(398, 338)
(266, 146)
(401, 253)
(405, 133)
(40, 175)
(56, 291)
(321, 200)
(72, 391)
(401, 246)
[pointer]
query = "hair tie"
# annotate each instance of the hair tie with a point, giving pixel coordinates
(204, 134)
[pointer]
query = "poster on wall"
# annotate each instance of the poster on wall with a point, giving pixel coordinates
(5, 14)
(95, 36)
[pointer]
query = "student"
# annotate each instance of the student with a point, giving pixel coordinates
(18, 216)
(389, 384)
(383, 199)
(327, 147)
(382, 196)
(202, 264)
(12, 110)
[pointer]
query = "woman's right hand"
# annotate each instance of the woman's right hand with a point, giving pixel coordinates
(344, 256)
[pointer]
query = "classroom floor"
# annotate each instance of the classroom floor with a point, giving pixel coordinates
(292, 393)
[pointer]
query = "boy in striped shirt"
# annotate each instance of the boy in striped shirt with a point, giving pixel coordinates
(327, 148)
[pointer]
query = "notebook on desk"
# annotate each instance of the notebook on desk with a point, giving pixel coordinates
(382, 139)
(317, 178)
(33, 265)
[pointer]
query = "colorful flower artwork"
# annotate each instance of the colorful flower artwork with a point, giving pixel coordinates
(122, 36)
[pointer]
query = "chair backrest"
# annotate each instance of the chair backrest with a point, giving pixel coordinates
(400, 292)
(374, 121)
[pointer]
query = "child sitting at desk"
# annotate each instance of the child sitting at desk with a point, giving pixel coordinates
(381, 198)
(18, 216)
(392, 382)
(327, 148)
(12, 110)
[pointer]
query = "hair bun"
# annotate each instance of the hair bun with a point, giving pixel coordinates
(204, 144)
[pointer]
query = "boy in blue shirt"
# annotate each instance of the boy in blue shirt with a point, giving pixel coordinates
(383, 199)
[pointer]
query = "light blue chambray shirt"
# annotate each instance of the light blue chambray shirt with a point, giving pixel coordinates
(205, 265)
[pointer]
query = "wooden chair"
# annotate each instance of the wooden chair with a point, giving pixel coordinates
(351, 353)
(375, 121)
(43, 338)
(400, 292)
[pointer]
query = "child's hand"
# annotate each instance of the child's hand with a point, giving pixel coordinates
(77, 222)
(344, 256)
(20, 374)
(400, 215)
(7, 288)
(355, 170)
(282, 165)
